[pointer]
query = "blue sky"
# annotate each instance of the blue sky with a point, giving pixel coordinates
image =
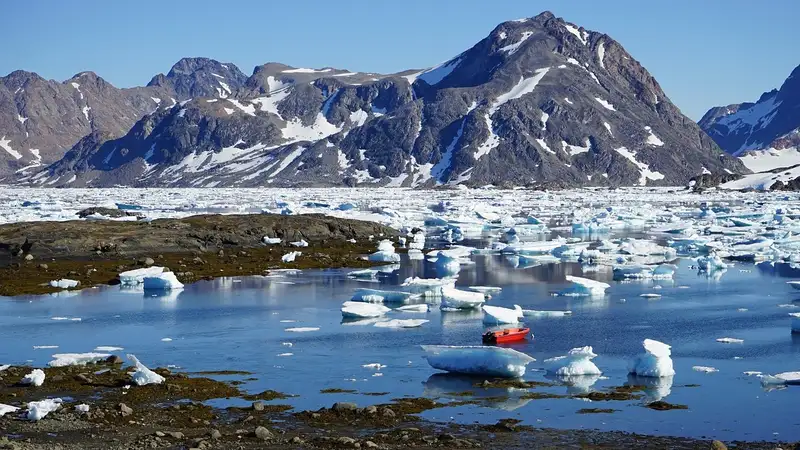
(702, 52)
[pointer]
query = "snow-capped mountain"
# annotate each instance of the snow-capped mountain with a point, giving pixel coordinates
(539, 101)
(765, 134)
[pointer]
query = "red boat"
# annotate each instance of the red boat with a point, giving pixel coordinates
(507, 335)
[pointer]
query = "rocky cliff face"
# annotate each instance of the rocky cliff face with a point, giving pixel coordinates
(539, 101)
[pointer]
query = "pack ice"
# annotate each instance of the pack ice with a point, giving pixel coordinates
(654, 362)
(477, 360)
(577, 361)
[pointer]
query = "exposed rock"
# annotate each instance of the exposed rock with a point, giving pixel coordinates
(717, 445)
(344, 406)
(263, 433)
(124, 410)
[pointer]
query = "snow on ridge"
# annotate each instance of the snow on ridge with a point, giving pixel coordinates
(566, 99)
(771, 158)
(290, 158)
(436, 74)
(359, 117)
(652, 139)
(605, 104)
(304, 70)
(217, 75)
(512, 48)
(346, 74)
(247, 109)
(644, 169)
(270, 104)
(573, 30)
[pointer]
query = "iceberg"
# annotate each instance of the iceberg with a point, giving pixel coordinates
(76, 359)
(137, 276)
(423, 308)
(401, 323)
(64, 283)
(585, 287)
(290, 257)
(361, 310)
(379, 296)
(38, 410)
(576, 362)
(5, 409)
(428, 287)
(458, 299)
(162, 282)
(710, 263)
(417, 241)
(795, 322)
(655, 362)
(497, 315)
(447, 265)
(540, 314)
(781, 379)
(35, 378)
(144, 376)
(477, 360)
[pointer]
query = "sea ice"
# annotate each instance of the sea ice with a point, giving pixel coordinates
(401, 323)
(144, 376)
(576, 362)
(137, 276)
(785, 378)
(38, 410)
(76, 359)
(485, 289)
(477, 360)
(655, 362)
(64, 283)
(447, 265)
(35, 378)
(458, 299)
(496, 315)
(360, 310)
(163, 282)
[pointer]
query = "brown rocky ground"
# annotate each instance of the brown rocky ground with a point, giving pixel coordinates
(94, 252)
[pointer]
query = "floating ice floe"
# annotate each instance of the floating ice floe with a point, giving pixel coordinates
(301, 329)
(361, 310)
(108, 348)
(485, 289)
(785, 378)
(705, 369)
(385, 253)
(423, 308)
(477, 360)
(5, 409)
(38, 410)
(794, 284)
(137, 276)
(76, 359)
(290, 257)
(585, 287)
(380, 296)
(428, 287)
(729, 340)
(795, 322)
(374, 366)
(650, 295)
(64, 283)
(458, 299)
(163, 282)
(655, 362)
(144, 376)
(711, 263)
(401, 323)
(497, 315)
(447, 265)
(540, 314)
(577, 362)
(35, 378)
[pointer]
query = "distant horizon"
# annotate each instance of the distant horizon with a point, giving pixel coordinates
(694, 91)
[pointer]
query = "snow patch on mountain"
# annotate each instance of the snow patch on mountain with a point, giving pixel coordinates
(438, 73)
(511, 49)
(771, 158)
(644, 169)
(652, 139)
(605, 104)
(5, 144)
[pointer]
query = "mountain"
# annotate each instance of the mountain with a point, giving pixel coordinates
(539, 101)
(765, 134)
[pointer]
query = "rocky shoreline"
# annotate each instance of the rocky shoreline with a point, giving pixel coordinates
(174, 415)
(94, 252)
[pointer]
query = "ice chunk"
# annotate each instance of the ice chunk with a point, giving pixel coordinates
(290, 257)
(379, 296)
(413, 308)
(163, 282)
(4, 367)
(38, 410)
(705, 369)
(711, 263)
(374, 366)
(585, 286)
(534, 313)
(301, 329)
(106, 348)
(35, 378)
(385, 253)
(495, 315)
(458, 299)
(5, 409)
(477, 360)
(271, 241)
(401, 323)
(144, 376)
(576, 362)
(300, 243)
(76, 359)
(417, 241)
(447, 265)
(361, 310)
(655, 362)
(428, 287)
(794, 284)
(83, 407)
(64, 283)
(485, 289)
(729, 340)
(137, 276)
(795, 322)
(785, 378)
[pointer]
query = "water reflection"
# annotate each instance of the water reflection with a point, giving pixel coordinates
(461, 387)
(655, 389)
(576, 384)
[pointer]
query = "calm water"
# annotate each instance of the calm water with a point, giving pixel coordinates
(240, 324)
